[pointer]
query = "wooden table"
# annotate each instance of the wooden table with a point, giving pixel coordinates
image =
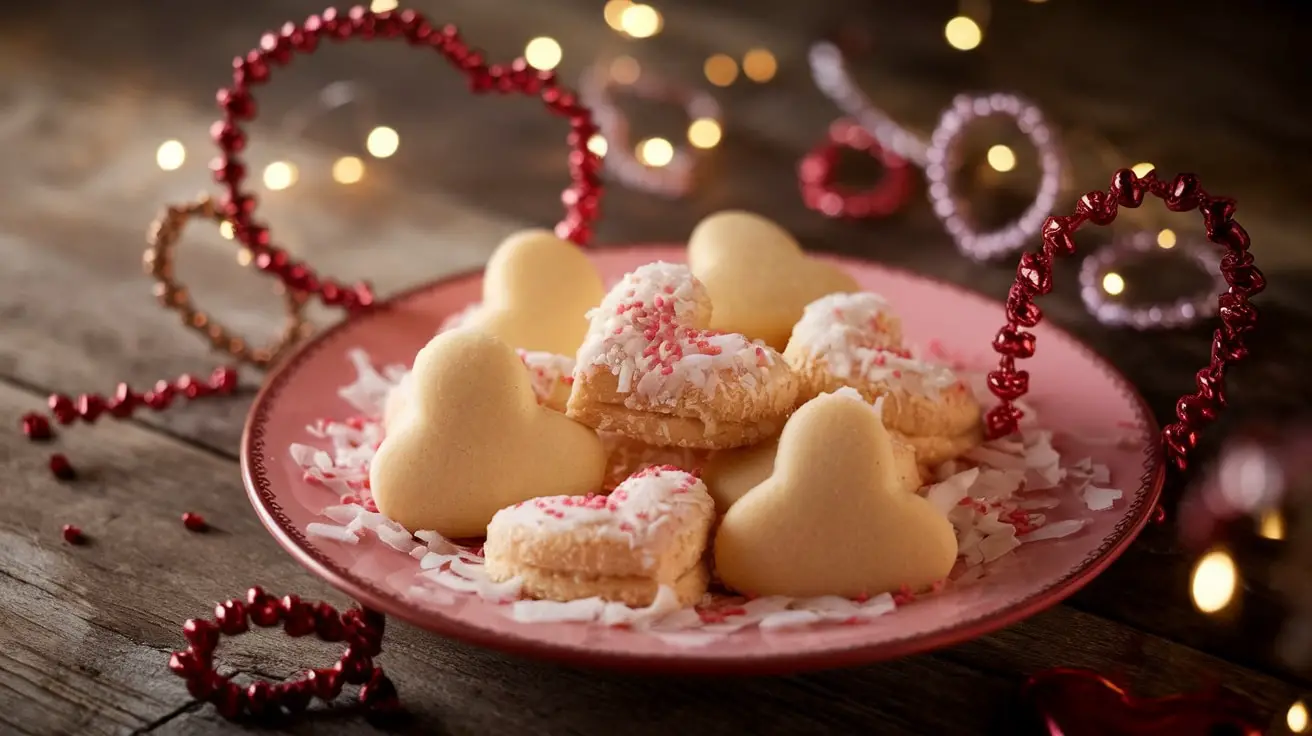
(89, 90)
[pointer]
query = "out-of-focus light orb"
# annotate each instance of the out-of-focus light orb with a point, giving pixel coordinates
(279, 175)
(720, 70)
(171, 155)
(1112, 283)
(348, 170)
(625, 70)
(613, 11)
(1296, 717)
(226, 230)
(597, 144)
(382, 6)
(1271, 525)
(1214, 581)
(963, 33)
(382, 142)
(543, 53)
(655, 152)
(1001, 158)
(759, 65)
(704, 133)
(1141, 170)
(244, 257)
(1166, 239)
(641, 21)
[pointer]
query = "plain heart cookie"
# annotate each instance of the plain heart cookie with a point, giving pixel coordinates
(854, 340)
(551, 376)
(730, 474)
(650, 532)
(475, 440)
(537, 290)
(832, 518)
(758, 277)
(651, 370)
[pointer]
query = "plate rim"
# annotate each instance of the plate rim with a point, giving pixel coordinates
(255, 478)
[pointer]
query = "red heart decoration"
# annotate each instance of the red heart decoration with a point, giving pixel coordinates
(1075, 702)
(1034, 276)
(238, 205)
(362, 630)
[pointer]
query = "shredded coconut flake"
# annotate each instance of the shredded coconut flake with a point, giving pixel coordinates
(331, 531)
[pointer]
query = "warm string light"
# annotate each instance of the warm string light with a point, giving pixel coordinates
(1141, 170)
(382, 6)
(1214, 581)
(597, 144)
(1271, 525)
(704, 133)
(226, 230)
(720, 70)
(348, 170)
(963, 33)
(613, 12)
(1296, 718)
(280, 175)
(543, 53)
(382, 142)
(625, 70)
(1001, 158)
(759, 65)
(1166, 239)
(171, 155)
(640, 21)
(1112, 283)
(655, 152)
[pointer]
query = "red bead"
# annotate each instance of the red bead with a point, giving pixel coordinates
(1211, 384)
(250, 70)
(275, 48)
(228, 170)
(201, 634)
(194, 522)
(187, 664)
(73, 535)
(1217, 213)
(1226, 350)
(123, 403)
(1195, 410)
(224, 379)
(1184, 194)
(63, 470)
(228, 136)
(294, 696)
(260, 698)
(89, 407)
(1023, 312)
(231, 617)
(1180, 440)
(203, 684)
(1126, 188)
(229, 699)
(1097, 207)
(1009, 385)
(1002, 420)
(298, 616)
(1233, 236)
(355, 666)
(1057, 236)
(188, 385)
(1034, 273)
(1014, 343)
(326, 684)
(61, 407)
(36, 427)
(379, 693)
(1237, 314)
(328, 624)
(237, 103)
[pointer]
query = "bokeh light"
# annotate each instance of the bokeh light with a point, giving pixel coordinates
(759, 65)
(1141, 170)
(963, 33)
(1214, 581)
(598, 145)
(382, 142)
(348, 170)
(641, 21)
(1112, 283)
(720, 70)
(171, 155)
(613, 11)
(1166, 239)
(625, 70)
(1001, 158)
(704, 133)
(279, 175)
(543, 53)
(655, 152)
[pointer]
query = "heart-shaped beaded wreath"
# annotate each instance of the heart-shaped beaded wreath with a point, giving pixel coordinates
(172, 294)
(1034, 278)
(276, 49)
(362, 630)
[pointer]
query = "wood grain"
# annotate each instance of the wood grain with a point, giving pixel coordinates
(85, 632)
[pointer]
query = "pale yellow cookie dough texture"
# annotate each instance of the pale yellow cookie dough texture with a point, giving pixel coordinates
(758, 276)
(476, 440)
(537, 290)
(832, 519)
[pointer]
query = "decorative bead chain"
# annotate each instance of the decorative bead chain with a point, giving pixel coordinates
(90, 407)
(362, 630)
(816, 176)
(581, 199)
(1034, 277)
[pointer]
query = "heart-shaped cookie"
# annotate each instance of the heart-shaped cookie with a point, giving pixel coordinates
(551, 376)
(276, 49)
(476, 440)
(537, 291)
(730, 474)
(854, 340)
(832, 518)
(649, 368)
(650, 532)
(758, 277)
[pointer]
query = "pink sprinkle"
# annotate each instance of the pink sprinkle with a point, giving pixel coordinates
(348, 498)
(355, 422)
(669, 289)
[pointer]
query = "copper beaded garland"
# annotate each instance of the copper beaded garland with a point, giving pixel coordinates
(1034, 278)
(362, 630)
(277, 49)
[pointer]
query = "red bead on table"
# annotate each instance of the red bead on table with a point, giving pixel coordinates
(61, 467)
(194, 522)
(73, 535)
(36, 427)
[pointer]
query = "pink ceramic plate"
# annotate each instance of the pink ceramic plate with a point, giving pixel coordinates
(1076, 393)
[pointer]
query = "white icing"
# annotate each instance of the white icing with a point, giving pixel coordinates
(647, 511)
(649, 333)
(547, 371)
(855, 336)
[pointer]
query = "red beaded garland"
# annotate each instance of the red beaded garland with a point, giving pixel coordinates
(1034, 277)
(362, 630)
(816, 175)
(89, 407)
(277, 49)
